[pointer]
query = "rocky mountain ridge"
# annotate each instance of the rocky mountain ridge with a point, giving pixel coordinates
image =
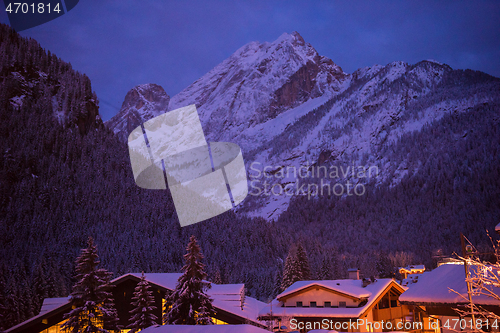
(288, 107)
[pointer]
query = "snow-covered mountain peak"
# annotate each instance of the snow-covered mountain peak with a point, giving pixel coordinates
(141, 103)
(288, 47)
(434, 61)
(150, 98)
(258, 82)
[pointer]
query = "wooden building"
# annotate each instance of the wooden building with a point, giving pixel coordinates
(441, 291)
(350, 305)
(229, 300)
(411, 270)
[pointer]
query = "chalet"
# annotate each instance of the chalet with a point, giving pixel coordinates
(411, 270)
(231, 305)
(444, 289)
(350, 305)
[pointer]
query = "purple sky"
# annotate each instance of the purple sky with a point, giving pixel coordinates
(120, 44)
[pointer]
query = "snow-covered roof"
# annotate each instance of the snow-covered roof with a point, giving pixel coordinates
(227, 289)
(374, 290)
(50, 304)
(250, 311)
(349, 287)
(166, 280)
(434, 288)
(204, 329)
(42, 315)
(497, 228)
(413, 268)
(227, 297)
(169, 281)
(412, 279)
(220, 292)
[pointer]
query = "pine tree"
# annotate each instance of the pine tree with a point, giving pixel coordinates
(325, 271)
(291, 272)
(217, 277)
(143, 303)
(296, 267)
(91, 298)
(40, 286)
(278, 277)
(3, 301)
(189, 304)
(384, 266)
(303, 262)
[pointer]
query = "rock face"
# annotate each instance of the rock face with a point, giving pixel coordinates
(259, 82)
(289, 108)
(141, 103)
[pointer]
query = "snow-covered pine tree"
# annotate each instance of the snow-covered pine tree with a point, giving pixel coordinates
(291, 271)
(40, 286)
(278, 278)
(143, 307)
(189, 304)
(325, 271)
(384, 266)
(303, 262)
(91, 298)
(217, 279)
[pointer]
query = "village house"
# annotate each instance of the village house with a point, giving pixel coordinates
(229, 300)
(411, 270)
(444, 289)
(349, 305)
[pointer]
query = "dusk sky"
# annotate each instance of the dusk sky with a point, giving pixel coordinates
(120, 44)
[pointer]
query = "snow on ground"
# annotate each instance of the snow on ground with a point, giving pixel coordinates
(278, 125)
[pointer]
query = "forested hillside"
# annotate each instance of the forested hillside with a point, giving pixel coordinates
(456, 189)
(65, 177)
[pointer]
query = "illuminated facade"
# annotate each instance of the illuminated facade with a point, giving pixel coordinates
(229, 301)
(350, 305)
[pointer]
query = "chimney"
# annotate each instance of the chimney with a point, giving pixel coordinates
(353, 273)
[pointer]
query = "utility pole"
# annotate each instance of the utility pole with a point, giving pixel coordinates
(469, 289)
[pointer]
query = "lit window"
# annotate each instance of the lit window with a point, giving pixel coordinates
(218, 322)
